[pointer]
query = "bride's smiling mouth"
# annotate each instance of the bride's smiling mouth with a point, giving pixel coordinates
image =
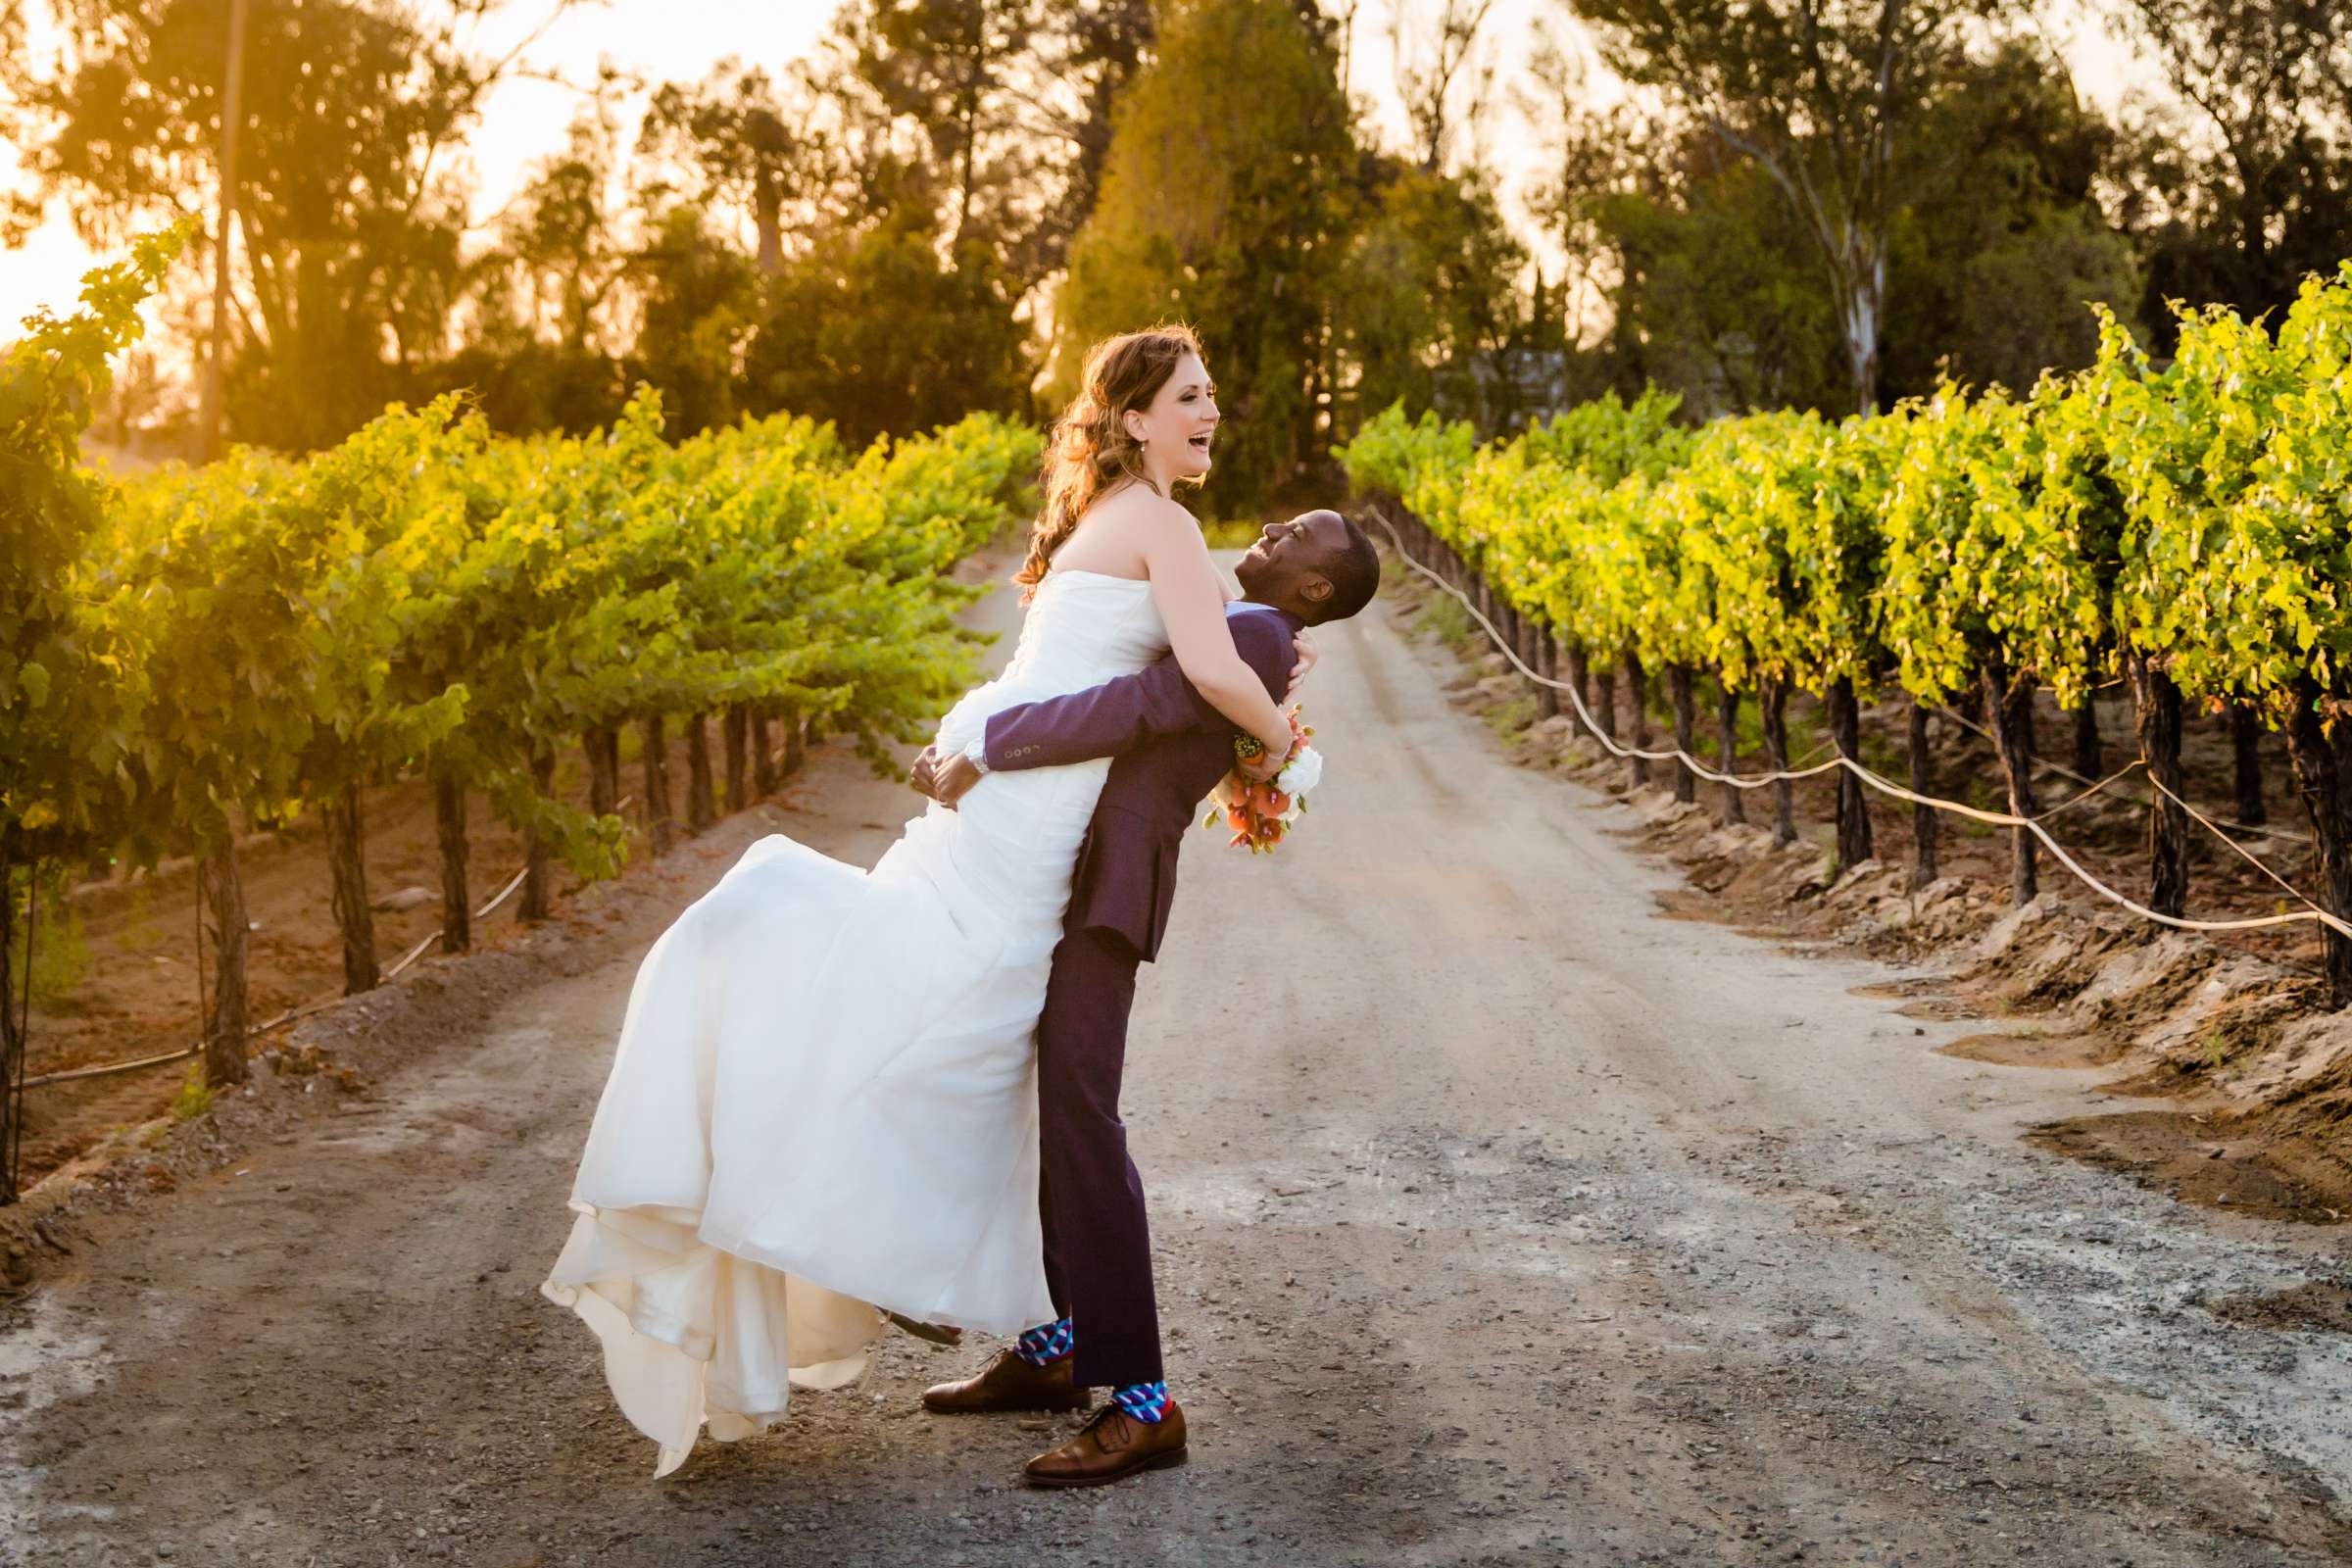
(1199, 443)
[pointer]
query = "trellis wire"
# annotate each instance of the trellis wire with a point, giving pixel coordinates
(109, 1068)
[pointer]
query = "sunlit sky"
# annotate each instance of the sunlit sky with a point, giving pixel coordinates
(661, 40)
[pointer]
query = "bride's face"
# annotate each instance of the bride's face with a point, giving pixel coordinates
(1177, 429)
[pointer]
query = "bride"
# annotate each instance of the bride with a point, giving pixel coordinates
(822, 1106)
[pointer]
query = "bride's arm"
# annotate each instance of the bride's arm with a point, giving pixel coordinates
(1192, 605)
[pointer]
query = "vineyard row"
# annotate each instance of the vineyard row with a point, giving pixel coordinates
(199, 650)
(2185, 525)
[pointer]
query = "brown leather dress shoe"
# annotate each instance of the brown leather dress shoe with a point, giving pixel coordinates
(1009, 1383)
(1112, 1446)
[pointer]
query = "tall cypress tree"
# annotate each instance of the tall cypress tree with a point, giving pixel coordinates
(1226, 201)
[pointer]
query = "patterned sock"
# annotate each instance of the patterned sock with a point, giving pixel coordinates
(1145, 1402)
(1045, 1344)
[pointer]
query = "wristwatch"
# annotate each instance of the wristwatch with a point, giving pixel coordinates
(977, 754)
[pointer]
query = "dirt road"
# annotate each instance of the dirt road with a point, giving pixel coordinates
(1549, 1231)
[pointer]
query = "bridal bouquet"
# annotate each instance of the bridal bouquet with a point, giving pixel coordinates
(1260, 813)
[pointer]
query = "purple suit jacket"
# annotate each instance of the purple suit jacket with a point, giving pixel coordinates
(1170, 747)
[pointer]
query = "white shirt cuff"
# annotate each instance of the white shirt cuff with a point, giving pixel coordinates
(977, 754)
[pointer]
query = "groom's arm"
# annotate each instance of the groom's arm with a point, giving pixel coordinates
(1121, 714)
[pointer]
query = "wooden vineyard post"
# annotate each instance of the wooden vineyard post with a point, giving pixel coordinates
(2088, 759)
(698, 813)
(449, 824)
(604, 783)
(764, 756)
(1853, 807)
(1726, 751)
(1604, 703)
(538, 892)
(2245, 756)
(2320, 763)
(736, 734)
(662, 827)
(1679, 685)
(1579, 676)
(1775, 703)
(2157, 705)
(2009, 704)
(14, 1014)
(225, 1029)
(347, 872)
(1637, 696)
(1924, 822)
(796, 745)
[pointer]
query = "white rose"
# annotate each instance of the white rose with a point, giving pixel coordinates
(1302, 773)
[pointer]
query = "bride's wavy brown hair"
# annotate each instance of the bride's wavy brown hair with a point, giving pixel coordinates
(1090, 451)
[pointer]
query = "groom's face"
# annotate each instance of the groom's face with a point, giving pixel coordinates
(1288, 551)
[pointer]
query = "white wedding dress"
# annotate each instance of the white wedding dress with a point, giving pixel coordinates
(823, 1101)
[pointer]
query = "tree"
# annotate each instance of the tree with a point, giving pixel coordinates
(1819, 96)
(1984, 583)
(349, 223)
(1996, 244)
(526, 385)
(992, 86)
(66, 680)
(560, 254)
(1431, 309)
(1594, 149)
(1431, 67)
(2002, 239)
(540, 351)
(209, 590)
(1839, 552)
(1225, 202)
(1087, 53)
(892, 210)
(698, 303)
(738, 138)
(948, 65)
(369, 503)
(2229, 463)
(2244, 186)
(873, 331)
(1715, 293)
(232, 137)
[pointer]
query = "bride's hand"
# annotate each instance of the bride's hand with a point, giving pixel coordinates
(1263, 766)
(1308, 654)
(924, 780)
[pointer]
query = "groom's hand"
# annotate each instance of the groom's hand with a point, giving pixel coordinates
(953, 779)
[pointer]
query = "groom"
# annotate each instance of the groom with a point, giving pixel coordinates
(1171, 746)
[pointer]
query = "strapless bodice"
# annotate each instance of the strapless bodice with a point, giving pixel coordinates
(1082, 628)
